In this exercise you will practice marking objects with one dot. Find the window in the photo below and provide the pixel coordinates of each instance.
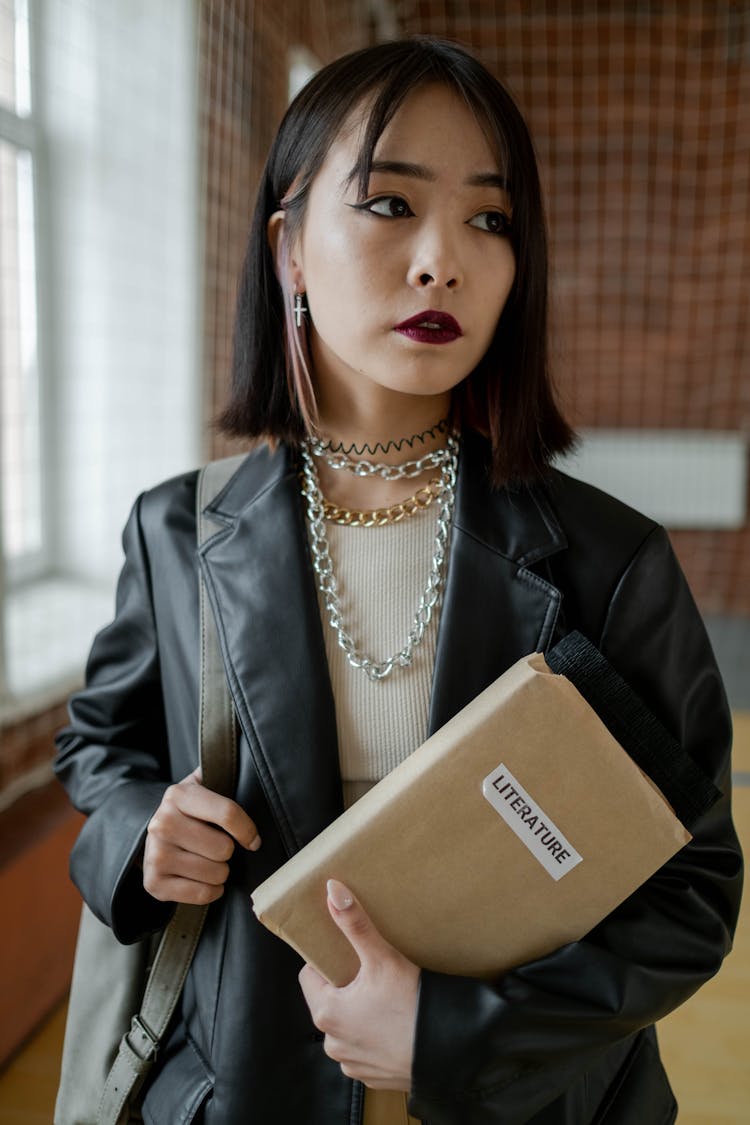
(20, 445)
(21, 531)
(301, 65)
(100, 295)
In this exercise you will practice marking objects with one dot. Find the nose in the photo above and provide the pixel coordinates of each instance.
(435, 263)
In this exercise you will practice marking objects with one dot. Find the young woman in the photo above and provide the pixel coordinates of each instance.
(394, 541)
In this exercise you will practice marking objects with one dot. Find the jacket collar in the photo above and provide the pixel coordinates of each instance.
(517, 523)
(261, 585)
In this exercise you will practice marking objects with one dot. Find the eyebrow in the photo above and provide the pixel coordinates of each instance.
(420, 172)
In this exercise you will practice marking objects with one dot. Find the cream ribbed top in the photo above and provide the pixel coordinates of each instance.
(381, 573)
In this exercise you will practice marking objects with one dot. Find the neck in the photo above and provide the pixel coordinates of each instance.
(384, 451)
(364, 414)
(407, 428)
(373, 491)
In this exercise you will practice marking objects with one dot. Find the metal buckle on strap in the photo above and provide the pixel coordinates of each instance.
(145, 1035)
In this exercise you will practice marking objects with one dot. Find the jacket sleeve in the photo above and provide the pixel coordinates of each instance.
(498, 1052)
(112, 758)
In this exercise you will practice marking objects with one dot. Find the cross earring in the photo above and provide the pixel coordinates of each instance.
(299, 309)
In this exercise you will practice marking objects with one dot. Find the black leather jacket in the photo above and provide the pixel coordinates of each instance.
(566, 1039)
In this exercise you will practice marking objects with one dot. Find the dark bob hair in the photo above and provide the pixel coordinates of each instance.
(509, 396)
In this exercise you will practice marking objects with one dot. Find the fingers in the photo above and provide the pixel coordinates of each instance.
(341, 897)
(172, 889)
(192, 799)
(313, 987)
(368, 1024)
(355, 923)
(177, 830)
(321, 999)
(172, 874)
(189, 841)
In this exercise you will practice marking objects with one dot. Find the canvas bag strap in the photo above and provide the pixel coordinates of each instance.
(217, 753)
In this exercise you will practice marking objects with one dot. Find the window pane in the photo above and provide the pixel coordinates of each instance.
(301, 65)
(19, 390)
(15, 92)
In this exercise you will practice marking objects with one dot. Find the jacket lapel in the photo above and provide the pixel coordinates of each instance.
(495, 610)
(261, 586)
(262, 590)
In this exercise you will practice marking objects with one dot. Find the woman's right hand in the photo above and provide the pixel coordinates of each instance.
(189, 841)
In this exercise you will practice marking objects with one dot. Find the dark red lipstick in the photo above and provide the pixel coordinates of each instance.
(431, 327)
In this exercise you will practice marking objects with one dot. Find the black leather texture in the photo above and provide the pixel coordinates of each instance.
(566, 1040)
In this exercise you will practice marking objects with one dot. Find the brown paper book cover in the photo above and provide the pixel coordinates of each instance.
(512, 830)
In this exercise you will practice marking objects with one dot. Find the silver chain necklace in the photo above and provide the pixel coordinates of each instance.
(323, 566)
(363, 468)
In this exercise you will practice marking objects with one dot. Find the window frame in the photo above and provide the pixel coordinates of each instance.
(24, 133)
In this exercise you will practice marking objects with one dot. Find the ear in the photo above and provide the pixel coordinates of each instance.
(280, 249)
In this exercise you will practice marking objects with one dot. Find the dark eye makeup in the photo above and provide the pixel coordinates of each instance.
(394, 207)
(391, 207)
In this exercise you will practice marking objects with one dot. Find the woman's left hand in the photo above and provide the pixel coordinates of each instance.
(369, 1024)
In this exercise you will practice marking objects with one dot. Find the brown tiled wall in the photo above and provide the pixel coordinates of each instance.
(637, 112)
(28, 743)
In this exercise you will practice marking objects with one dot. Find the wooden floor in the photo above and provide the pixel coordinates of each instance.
(28, 1084)
(705, 1044)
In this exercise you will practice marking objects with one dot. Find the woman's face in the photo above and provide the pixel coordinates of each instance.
(429, 241)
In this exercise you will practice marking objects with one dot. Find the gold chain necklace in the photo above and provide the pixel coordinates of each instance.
(379, 517)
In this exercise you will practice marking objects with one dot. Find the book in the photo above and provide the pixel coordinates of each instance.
(511, 831)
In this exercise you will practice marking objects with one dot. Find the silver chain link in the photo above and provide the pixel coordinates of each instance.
(406, 470)
(323, 566)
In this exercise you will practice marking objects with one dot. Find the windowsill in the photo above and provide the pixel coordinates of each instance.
(50, 625)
